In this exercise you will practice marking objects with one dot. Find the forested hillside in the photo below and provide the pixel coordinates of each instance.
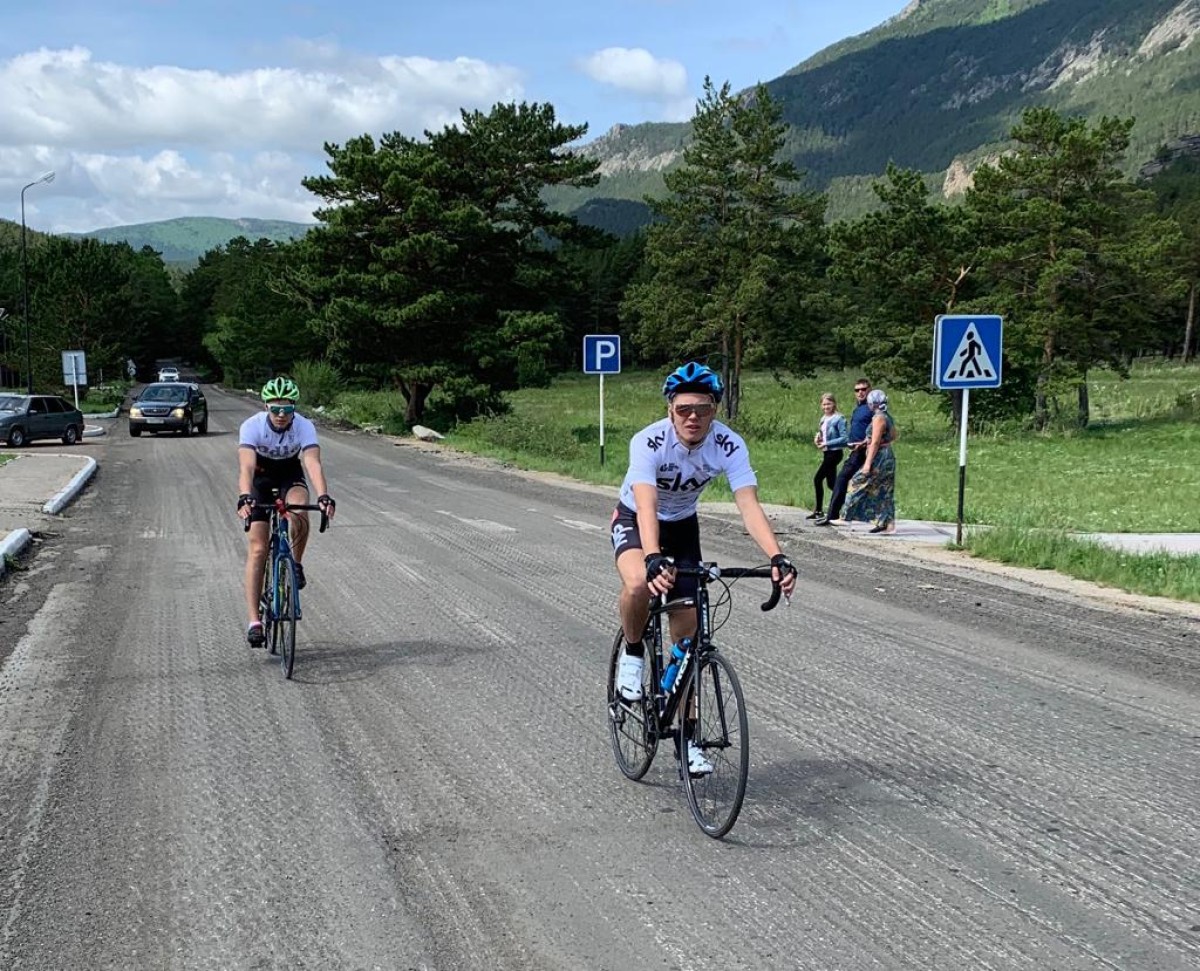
(938, 87)
(185, 240)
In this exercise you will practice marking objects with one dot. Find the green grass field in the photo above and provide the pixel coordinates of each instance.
(1136, 469)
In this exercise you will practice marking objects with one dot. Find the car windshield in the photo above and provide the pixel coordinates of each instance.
(12, 402)
(163, 392)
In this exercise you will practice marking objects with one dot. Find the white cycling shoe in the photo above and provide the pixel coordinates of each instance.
(698, 763)
(629, 677)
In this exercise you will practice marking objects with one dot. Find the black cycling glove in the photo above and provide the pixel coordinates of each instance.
(781, 561)
(245, 499)
(325, 500)
(656, 565)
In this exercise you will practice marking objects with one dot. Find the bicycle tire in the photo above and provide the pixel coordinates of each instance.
(285, 622)
(266, 611)
(723, 734)
(631, 723)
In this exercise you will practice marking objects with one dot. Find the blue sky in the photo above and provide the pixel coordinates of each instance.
(151, 109)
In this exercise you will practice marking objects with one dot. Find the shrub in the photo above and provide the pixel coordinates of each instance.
(319, 381)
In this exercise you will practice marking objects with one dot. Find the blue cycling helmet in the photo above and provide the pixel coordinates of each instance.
(693, 377)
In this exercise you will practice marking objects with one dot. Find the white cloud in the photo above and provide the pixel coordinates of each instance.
(133, 144)
(638, 71)
(64, 98)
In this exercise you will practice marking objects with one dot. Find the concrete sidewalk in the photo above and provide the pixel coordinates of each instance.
(35, 487)
(939, 534)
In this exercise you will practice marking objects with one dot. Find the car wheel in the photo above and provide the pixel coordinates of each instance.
(71, 435)
(186, 430)
(134, 431)
(203, 429)
(16, 437)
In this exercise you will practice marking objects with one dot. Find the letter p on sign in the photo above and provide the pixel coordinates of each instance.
(602, 354)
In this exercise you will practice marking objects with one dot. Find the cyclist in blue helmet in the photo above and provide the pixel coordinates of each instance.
(656, 524)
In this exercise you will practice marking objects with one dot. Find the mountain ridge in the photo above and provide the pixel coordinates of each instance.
(938, 86)
(184, 239)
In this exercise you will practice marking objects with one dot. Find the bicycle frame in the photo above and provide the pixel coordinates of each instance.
(279, 552)
(279, 594)
(667, 702)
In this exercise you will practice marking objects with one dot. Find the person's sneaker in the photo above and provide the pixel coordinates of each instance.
(698, 763)
(256, 635)
(300, 581)
(822, 522)
(815, 514)
(629, 677)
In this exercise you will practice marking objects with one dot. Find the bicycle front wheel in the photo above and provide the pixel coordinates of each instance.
(266, 611)
(716, 719)
(631, 724)
(283, 634)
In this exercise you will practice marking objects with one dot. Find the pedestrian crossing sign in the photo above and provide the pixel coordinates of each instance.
(967, 351)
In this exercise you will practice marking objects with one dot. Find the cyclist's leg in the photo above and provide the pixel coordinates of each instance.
(256, 558)
(297, 494)
(634, 601)
(681, 540)
(261, 490)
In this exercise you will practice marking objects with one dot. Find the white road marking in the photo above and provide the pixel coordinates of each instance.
(485, 524)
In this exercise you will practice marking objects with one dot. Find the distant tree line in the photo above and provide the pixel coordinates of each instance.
(437, 269)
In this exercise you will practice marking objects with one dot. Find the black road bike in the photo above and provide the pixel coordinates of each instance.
(706, 695)
(279, 601)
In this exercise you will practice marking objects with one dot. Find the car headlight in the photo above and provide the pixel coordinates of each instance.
(135, 412)
(178, 413)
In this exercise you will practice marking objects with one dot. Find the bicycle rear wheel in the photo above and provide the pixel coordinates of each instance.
(631, 723)
(722, 733)
(283, 634)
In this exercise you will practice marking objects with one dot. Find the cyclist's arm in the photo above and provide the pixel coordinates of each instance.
(759, 528)
(311, 457)
(646, 497)
(247, 458)
(755, 520)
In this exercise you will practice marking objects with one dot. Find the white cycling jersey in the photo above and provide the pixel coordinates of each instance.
(273, 445)
(657, 457)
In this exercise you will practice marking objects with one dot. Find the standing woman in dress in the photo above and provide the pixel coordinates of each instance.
(831, 438)
(873, 490)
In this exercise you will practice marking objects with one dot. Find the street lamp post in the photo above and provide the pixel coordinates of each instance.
(48, 177)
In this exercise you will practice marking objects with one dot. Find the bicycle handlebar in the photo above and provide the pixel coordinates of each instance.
(710, 571)
(290, 507)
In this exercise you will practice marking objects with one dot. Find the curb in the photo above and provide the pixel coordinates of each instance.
(72, 489)
(103, 414)
(12, 545)
(93, 431)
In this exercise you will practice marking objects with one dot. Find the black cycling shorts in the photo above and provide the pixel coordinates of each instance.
(273, 479)
(679, 539)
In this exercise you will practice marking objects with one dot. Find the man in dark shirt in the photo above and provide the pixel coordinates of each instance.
(860, 433)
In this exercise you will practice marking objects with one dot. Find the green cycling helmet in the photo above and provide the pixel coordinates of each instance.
(280, 389)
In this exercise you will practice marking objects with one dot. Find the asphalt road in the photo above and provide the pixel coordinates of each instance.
(947, 773)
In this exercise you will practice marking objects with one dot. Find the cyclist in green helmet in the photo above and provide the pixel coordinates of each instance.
(275, 449)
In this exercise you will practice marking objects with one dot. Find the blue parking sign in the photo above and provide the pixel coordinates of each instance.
(967, 351)
(602, 354)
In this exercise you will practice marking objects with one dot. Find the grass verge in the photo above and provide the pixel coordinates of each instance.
(1156, 574)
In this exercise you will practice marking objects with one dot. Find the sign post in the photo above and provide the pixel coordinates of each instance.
(602, 355)
(967, 353)
(74, 365)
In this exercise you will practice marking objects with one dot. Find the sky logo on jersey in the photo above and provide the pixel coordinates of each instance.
(677, 483)
(726, 443)
(277, 451)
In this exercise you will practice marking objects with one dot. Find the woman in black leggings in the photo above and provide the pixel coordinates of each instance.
(831, 438)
